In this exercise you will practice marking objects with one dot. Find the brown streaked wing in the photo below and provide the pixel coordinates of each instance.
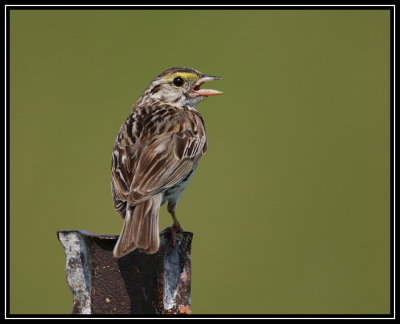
(163, 163)
(121, 171)
(123, 162)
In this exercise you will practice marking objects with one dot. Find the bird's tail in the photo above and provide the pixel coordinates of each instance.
(140, 230)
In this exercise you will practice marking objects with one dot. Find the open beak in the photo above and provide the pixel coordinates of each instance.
(205, 92)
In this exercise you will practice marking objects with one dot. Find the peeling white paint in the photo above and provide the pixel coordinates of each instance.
(171, 279)
(77, 270)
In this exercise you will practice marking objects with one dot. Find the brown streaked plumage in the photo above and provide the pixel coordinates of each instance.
(155, 154)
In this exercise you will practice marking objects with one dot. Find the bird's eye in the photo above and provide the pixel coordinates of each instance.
(178, 81)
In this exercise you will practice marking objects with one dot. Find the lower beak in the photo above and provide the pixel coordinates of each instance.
(206, 92)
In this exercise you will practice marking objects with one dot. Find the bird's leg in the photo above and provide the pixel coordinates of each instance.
(175, 228)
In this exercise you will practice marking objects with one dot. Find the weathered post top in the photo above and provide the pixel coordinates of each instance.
(137, 283)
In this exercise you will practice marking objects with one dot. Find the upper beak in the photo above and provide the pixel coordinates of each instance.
(206, 92)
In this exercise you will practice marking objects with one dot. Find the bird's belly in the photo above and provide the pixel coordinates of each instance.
(175, 191)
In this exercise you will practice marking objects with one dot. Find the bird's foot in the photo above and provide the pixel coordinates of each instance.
(172, 230)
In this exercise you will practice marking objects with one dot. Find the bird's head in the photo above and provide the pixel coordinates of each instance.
(181, 87)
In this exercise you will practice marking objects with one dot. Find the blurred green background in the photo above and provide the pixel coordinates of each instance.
(290, 207)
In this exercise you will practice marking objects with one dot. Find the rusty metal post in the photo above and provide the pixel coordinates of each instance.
(137, 283)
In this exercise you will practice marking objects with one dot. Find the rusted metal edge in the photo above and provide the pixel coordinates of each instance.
(88, 234)
(104, 236)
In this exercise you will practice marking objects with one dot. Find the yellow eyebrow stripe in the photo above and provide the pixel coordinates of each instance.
(183, 75)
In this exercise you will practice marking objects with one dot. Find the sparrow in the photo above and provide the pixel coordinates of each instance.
(155, 155)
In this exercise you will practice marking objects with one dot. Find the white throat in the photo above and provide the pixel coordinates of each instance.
(182, 102)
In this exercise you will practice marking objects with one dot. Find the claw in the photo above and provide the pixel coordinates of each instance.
(172, 230)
